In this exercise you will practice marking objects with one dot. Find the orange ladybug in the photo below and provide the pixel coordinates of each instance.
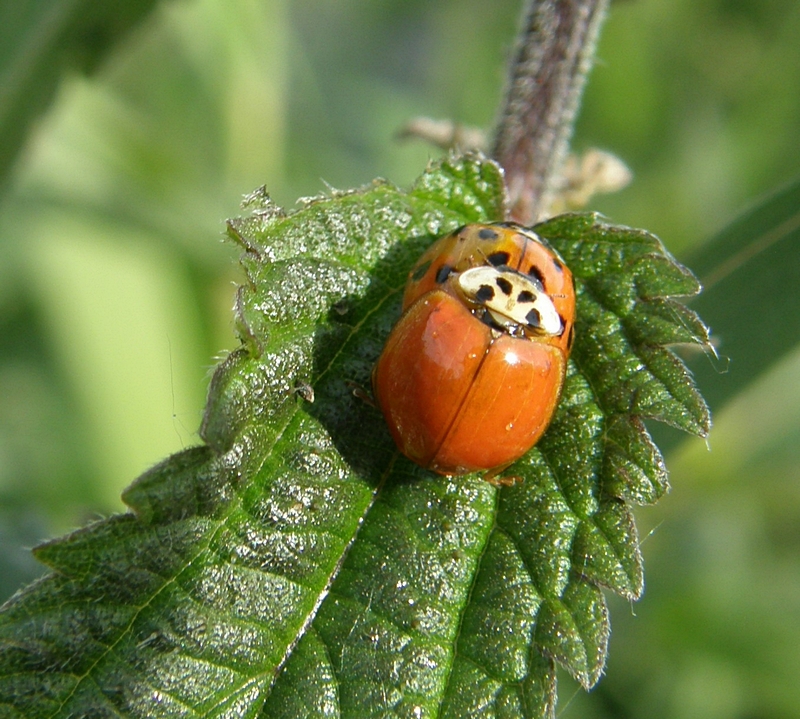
(472, 372)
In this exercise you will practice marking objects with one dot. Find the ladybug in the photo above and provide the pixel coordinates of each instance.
(472, 372)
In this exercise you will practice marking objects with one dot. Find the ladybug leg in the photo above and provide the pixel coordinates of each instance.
(505, 481)
(360, 393)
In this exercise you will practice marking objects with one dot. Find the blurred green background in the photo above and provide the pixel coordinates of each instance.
(129, 132)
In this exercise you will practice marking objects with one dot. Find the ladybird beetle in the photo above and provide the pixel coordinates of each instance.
(472, 371)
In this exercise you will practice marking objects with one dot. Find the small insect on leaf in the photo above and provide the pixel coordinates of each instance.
(471, 374)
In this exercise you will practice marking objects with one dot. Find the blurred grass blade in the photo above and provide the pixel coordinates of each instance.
(750, 273)
(39, 39)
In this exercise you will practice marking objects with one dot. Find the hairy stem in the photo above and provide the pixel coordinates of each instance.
(553, 55)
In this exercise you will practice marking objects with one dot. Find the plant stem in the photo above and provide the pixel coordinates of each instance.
(553, 55)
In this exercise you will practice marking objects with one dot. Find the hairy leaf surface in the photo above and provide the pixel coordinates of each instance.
(296, 565)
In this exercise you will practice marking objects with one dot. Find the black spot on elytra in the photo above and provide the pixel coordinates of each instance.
(526, 296)
(537, 275)
(533, 318)
(570, 337)
(563, 323)
(485, 293)
(504, 285)
(419, 272)
(559, 264)
(498, 259)
(443, 273)
(487, 233)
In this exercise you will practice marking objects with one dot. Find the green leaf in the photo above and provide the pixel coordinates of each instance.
(39, 41)
(750, 272)
(296, 565)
